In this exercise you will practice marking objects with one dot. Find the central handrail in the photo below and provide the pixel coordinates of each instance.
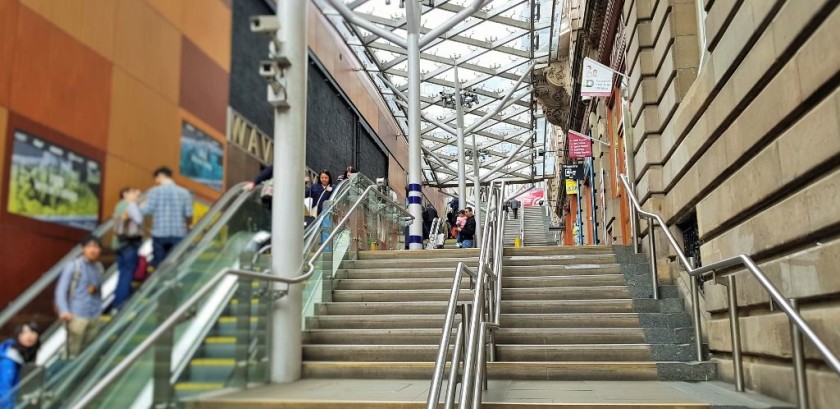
(798, 323)
(483, 314)
(184, 308)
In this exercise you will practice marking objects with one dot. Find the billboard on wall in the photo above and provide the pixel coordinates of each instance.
(51, 183)
(580, 146)
(532, 197)
(202, 157)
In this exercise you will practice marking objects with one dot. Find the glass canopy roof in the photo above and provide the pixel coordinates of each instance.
(492, 49)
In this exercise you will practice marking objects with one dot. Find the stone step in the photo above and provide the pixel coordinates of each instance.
(559, 250)
(622, 320)
(508, 307)
(519, 260)
(546, 371)
(509, 271)
(550, 293)
(403, 283)
(517, 353)
(431, 336)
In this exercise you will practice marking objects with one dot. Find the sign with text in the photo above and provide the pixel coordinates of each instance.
(579, 146)
(53, 184)
(571, 187)
(574, 172)
(597, 79)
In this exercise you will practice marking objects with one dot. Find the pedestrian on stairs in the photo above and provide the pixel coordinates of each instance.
(515, 204)
(78, 296)
(459, 224)
(468, 231)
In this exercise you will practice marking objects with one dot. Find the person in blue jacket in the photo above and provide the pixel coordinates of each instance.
(14, 353)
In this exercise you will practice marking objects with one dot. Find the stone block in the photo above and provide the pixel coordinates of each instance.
(733, 42)
(647, 155)
(649, 92)
(778, 164)
(650, 182)
(776, 380)
(803, 212)
(684, 18)
(793, 18)
(716, 17)
(819, 57)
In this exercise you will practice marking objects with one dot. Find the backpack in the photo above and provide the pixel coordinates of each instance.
(125, 228)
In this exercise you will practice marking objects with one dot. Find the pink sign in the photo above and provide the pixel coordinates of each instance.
(579, 146)
(532, 197)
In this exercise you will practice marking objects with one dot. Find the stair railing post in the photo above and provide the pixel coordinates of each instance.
(653, 274)
(457, 356)
(634, 227)
(695, 310)
(735, 329)
(799, 369)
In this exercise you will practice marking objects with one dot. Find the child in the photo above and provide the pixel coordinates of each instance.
(459, 224)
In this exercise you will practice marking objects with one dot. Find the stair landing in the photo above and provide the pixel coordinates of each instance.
(411, 394)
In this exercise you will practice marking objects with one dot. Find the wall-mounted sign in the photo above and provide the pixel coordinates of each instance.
(571, 187)
(249, 138)
(579, 146)
(202, 157)
(574, 172)
(597, 79)
(53, 184)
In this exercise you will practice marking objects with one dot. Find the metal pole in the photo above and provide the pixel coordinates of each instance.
(415, 195)
(457, 357)
(289, 155)
(695, 312)
(476, 193)
(799, 369)
(462, 165)
(735, 328)
(654, 277)
(634, 230)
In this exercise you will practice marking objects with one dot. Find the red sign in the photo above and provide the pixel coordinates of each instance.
(532, 198)
(579, 146)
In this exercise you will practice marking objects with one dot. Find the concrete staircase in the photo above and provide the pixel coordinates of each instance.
(568, 314)
(536, 228)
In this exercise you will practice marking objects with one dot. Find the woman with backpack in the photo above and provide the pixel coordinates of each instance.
(21, 349)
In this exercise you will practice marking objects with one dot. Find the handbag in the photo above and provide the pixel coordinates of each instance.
(267, 190)
(125, 228)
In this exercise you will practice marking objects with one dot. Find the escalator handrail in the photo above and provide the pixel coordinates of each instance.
(52, 274)
(265, 275)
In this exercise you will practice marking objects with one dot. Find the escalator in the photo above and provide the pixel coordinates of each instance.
(222, 342)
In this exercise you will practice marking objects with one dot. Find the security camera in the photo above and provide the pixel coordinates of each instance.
(265, 24)
(269, 69)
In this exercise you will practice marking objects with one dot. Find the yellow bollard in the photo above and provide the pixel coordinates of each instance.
(517, 242)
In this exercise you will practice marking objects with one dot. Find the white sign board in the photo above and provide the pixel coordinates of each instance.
(597, 79)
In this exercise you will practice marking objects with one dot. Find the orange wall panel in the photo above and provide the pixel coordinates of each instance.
(89, 21)
(204, 86)
(208, 24)
(8, 17)
(145, 126)
(59, 82)
(172, 10)
(4, 116)
(122, 174)
(148, 47)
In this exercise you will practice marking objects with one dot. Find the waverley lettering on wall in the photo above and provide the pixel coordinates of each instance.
(247, 136)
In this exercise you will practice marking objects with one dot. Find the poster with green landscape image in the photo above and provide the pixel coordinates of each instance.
(53, 184)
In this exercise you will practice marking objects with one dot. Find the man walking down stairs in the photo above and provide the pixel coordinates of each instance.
(578, 329)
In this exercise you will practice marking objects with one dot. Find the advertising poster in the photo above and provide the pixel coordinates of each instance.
(202, 157)
(579, 146)
(597, 79)
(532, 198)
(574, 172)
(50, 183)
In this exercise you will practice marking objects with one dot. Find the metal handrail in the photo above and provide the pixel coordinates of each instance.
(789, 307)
(173, 319)
(482, 313)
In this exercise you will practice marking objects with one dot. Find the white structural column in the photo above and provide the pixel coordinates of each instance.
(289, 153)
(415, 182)
(477, 193)
(462, 165)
